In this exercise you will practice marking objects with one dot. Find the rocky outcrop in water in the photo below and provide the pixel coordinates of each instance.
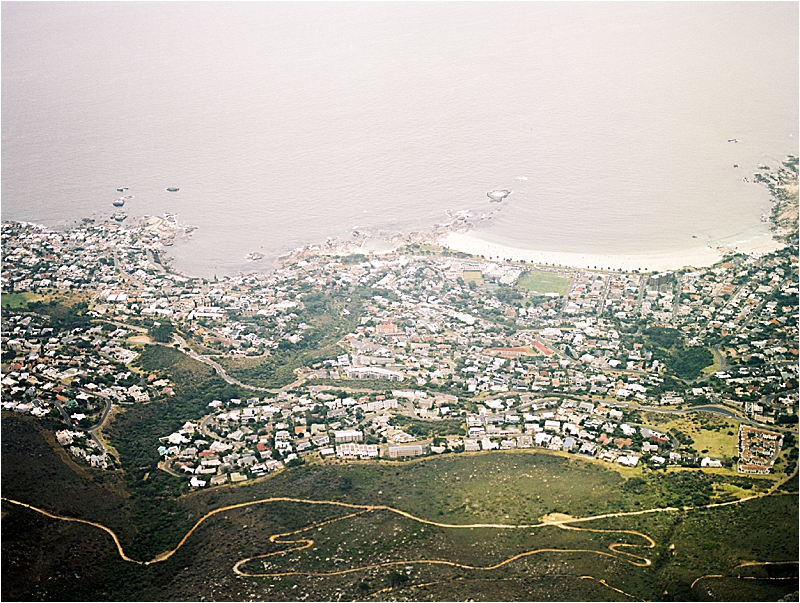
(498, 195)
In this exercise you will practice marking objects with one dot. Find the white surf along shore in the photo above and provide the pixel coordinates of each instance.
(697, 257)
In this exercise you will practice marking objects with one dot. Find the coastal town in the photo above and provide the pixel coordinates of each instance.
(380, 302)
(415, 351)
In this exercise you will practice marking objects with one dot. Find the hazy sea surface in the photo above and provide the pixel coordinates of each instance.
(286, 123)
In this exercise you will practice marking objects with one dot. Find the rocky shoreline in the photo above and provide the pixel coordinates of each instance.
(783, 187)
(334, 246)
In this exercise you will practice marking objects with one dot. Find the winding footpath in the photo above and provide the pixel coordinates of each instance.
(615, 550)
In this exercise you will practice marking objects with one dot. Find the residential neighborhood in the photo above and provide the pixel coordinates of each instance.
(438, 352)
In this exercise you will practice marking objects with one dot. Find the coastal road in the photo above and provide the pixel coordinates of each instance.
(158, 266)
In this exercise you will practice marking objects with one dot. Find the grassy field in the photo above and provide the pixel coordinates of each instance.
(713, 368)
(19, 300)
(54, 301)
(712, 435)
(473, 276)
(542, 281)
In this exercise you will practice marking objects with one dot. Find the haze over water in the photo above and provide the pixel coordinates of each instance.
(284, 124)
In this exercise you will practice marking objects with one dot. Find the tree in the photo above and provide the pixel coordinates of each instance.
(363, 587)
(161, 332)
(397, 579)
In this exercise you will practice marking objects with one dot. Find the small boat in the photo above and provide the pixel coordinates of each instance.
(173, 189)
(734, 140)
(254, 257)
(119, 216)
(122, 189)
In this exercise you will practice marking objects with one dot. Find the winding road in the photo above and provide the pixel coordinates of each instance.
(184, 347)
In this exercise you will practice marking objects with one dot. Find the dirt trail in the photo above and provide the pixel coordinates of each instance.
(556, 520)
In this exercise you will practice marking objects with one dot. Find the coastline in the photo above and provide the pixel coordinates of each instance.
(700, 256)
(460, 234)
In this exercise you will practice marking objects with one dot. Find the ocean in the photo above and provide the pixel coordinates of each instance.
(287, 123)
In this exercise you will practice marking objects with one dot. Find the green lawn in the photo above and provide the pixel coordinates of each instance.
(542, 281)
(19, 300)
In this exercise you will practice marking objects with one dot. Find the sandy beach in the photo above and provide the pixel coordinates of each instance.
(657, 261)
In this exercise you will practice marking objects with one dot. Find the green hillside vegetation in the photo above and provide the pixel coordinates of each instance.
(150, 511)
(512, 488)
(687, 362)
(135, 434)
(327, 325)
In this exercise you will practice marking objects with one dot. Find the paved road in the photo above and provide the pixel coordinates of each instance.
(184, 347)
(89, 430)
(717, 410)
(643, 280)
(204, 427)
(165, 466)
(566, 295)
(123, 325)
(601, 305)
(723, 411)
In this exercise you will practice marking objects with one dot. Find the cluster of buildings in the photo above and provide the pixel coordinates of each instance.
(758, 449)
(75, 373)
(246, 439)
(442, 324)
